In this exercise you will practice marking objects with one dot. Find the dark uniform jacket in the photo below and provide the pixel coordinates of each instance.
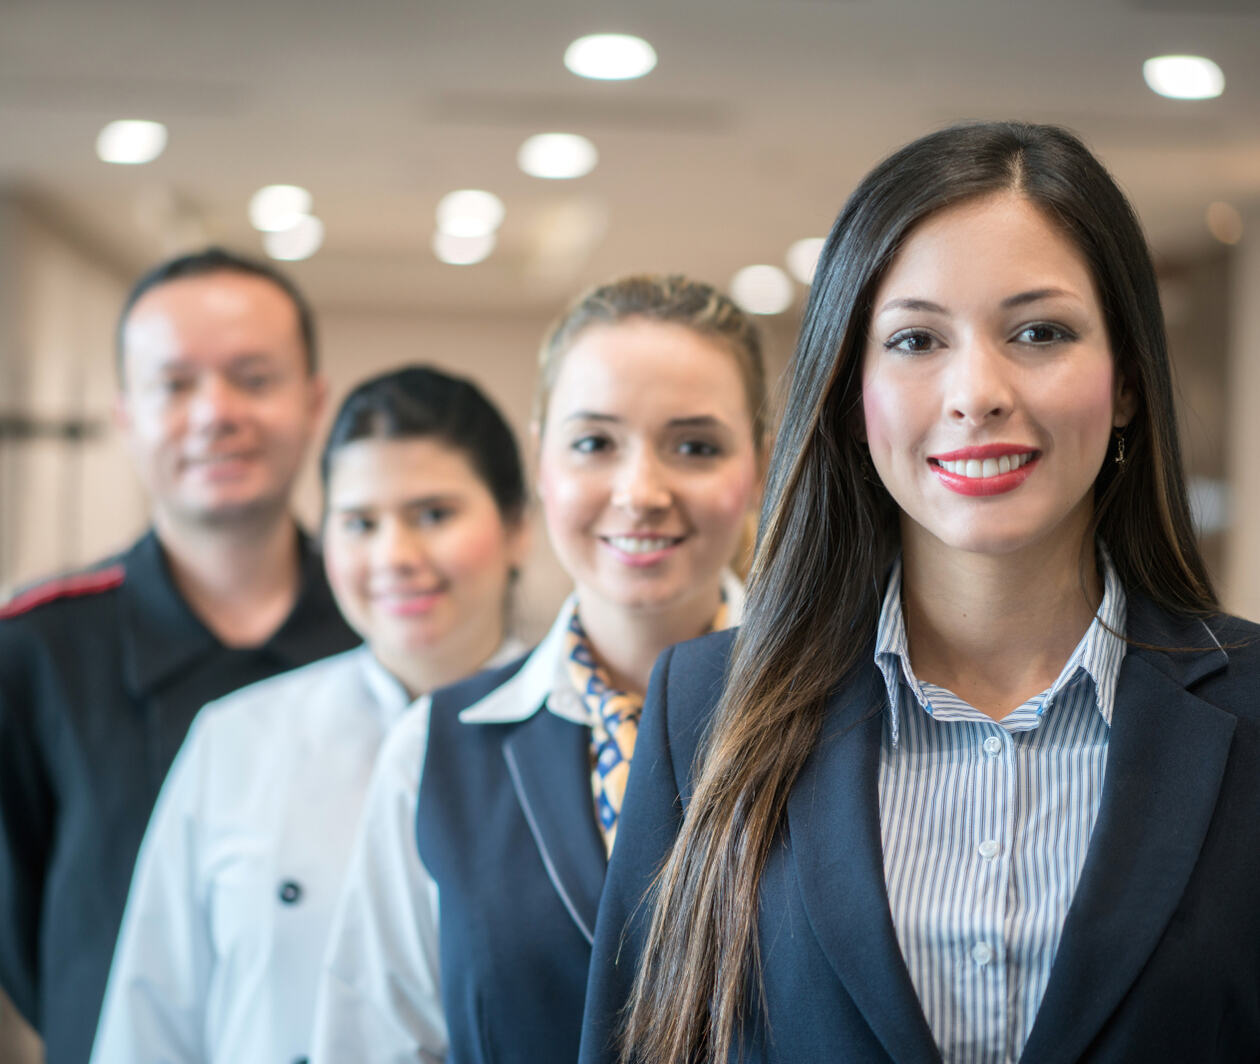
(1160, 955)
(101, 674)
(506, 828)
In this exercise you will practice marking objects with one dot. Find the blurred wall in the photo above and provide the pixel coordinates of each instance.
(1241, 585)
(66, 487)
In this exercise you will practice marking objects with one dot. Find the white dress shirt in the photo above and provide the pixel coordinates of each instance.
(380, 995)
(237, 879)
(985, 825)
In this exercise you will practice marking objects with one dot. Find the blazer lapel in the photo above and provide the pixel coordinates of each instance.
(833, 818)
(548, 760)
(1166, 760)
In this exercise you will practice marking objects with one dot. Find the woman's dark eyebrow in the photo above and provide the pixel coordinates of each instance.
(1034, 296)
(913, 304)
(590, 415)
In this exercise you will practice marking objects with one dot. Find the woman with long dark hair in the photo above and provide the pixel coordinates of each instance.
(464, 932)
(978, 779)
(234, 888)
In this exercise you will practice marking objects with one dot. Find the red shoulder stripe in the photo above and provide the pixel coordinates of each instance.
(64, 587)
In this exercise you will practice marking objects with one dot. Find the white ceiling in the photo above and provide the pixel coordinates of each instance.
(751, 131)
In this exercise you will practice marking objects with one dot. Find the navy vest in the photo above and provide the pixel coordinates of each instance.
(506, 827)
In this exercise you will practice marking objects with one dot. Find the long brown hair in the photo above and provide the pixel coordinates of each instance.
(829, 530)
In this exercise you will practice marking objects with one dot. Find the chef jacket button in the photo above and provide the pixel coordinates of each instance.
(290, 893)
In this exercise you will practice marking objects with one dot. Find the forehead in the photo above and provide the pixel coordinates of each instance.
(1003, 243)
(211, 318)
(650, 370)
(375, 472)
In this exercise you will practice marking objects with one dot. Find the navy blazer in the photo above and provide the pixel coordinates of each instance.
(1160, 954)
(506, 827)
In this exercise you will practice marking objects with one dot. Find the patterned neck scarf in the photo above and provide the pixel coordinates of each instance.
(614, 717)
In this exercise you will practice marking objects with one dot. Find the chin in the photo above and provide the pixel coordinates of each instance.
(232, 509)
(1004, 539)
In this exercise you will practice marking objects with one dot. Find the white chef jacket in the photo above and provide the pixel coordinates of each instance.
(380, 994)
(237, 878)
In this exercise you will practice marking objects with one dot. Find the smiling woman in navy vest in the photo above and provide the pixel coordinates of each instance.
(649, 432)
(978, 780)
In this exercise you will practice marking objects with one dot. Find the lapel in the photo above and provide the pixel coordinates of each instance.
(833, 820)
(1165, 762)
(548, 760)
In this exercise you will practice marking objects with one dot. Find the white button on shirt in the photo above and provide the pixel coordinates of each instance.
(984, 836)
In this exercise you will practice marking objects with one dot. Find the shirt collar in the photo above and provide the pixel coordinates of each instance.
(162, 636)
(389, 693)
(544, 679)
(1099, 654)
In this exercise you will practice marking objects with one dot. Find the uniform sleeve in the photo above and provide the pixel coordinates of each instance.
(380, 993)
(650, 818)
(155, 999)
(27, 808)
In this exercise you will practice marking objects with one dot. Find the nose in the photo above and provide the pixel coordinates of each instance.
(215, 402)
(641, 485)
(399, 546)
(978, 389)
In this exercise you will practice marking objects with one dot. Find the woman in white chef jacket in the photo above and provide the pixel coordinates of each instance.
(649, 426)
(243, 860)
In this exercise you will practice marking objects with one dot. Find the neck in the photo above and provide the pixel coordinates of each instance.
(439, 666)
(996, 630)
(627, 642)
(240, 580)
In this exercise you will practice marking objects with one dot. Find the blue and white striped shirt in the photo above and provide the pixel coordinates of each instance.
(985, 826)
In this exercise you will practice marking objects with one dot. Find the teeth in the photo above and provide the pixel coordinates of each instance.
(989, 467)
(641, 544)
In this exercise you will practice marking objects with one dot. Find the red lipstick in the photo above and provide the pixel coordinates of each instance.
(999, 483)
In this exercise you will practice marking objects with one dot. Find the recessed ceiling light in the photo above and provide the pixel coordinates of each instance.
(462, 250)
(299, 241)
(1224, 222)
(610, 57)
(802, 258)
(131, 141)
(557, 156)
(1184, 77)
(762, 289)
(469, 212)
(274, 208)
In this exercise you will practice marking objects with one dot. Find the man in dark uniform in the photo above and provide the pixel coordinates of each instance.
(101, 672)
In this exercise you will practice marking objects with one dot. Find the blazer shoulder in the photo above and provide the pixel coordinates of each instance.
(1237, 683)
(1237, 636)
(691, 677)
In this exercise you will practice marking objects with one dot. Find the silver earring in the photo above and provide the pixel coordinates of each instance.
(1119, 447)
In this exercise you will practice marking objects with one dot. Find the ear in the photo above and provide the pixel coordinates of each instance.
(1125, 403)
(318, 397)
(520, 541)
